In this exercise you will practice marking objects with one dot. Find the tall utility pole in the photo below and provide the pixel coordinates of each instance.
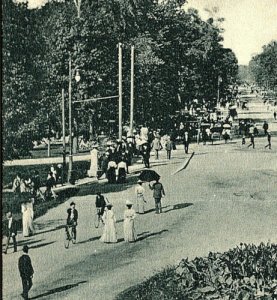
(120, 91)
(70, 165)
(63, 125)
(132, 89)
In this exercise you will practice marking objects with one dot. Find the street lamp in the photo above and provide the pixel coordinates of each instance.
(77, 78)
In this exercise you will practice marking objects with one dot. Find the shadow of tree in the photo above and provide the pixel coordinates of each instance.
(58, 290)
(104, 187)
(50, 230)
(179, 206)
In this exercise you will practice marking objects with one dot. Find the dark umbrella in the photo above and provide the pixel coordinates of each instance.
(149, 175)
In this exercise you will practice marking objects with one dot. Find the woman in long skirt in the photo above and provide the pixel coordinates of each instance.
(27, 218)
(139, 190)
(109, 233)
(128, 225)
(25, 221)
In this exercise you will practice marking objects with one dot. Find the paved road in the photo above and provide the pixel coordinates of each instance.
(226, 195)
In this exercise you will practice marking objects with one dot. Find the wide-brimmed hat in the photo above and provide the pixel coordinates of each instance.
(128, 202)
(109, 204)
(72, 203)
(140, 181)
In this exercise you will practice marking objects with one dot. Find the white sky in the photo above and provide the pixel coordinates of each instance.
(249, 24)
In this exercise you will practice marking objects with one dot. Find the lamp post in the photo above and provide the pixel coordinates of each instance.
(77, 78)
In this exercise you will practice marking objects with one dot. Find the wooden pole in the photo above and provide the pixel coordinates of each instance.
(70, 165)
(132, 89)
(120, 91)
(64, 146)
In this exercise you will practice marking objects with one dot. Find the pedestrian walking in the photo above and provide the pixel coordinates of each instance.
(111, 175)
(10, 231)
(26, 272)
(169, 148)
(27, 217)
(265, 127)
(72, 218)
(158, 193)
(100, 204)
(268, 140)
(275, 114)
(139, 191)
(156, 146)
(109, 233)
(243, 140)
(129, 224)
(145, 152)
(252, 141)
(122, 171)
(50, 183)
(186, 141)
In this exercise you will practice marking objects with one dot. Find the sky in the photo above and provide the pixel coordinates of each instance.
(249, 24)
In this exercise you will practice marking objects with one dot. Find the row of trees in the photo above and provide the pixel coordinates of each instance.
(263, 67)
(178, 57)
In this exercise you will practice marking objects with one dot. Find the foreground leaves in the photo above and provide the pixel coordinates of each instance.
(246, 272)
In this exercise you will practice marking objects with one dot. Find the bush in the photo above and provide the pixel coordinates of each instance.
(247, 272)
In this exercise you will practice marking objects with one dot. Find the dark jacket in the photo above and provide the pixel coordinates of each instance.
(158, 190)
(100, 201)
(25, 266)
(8, 231)
(75, 215)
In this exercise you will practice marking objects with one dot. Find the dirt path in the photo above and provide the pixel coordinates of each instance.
(225, 196)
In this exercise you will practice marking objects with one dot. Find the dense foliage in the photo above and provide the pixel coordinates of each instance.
(178, 57)
(246, 272)
(263, 66)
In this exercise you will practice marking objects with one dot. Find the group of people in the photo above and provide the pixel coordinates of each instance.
(106, 215)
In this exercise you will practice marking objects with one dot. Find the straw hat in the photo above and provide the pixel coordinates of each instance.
(109, 204)
(128, 202)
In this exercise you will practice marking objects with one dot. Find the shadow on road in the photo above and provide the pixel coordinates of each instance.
(145, 236)
(179, 206)
(90, 240)
(50, 230)
(58, 290)
(41, 245)
(105, 188)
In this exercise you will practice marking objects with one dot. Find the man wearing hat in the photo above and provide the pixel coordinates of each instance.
(26, 272)
(139, 191)
(10, 230)
(72, 218)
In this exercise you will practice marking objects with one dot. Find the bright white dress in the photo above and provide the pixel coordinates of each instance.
(129, 226)
(109, 234)
(25, 213)
(139, 190)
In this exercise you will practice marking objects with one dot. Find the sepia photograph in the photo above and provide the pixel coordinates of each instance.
(139, 149)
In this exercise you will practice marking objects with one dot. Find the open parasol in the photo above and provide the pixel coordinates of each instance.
(149, 175)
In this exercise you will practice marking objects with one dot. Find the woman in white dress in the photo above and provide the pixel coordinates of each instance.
(139, 190)
(109, 233)
(128, 225)
(24, 210)
(27, 218)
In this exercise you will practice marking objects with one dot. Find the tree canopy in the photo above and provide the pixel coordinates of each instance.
(178, 57)
(263, 66)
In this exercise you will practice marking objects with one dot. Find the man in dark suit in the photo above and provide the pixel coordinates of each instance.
(72, 218)
(26, 271)
(186, 140)
(10, 230)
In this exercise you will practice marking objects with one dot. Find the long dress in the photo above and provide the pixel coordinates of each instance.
(30, 209)
(25, 219)
(129, 226)
(139, 190)
(109, 233)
